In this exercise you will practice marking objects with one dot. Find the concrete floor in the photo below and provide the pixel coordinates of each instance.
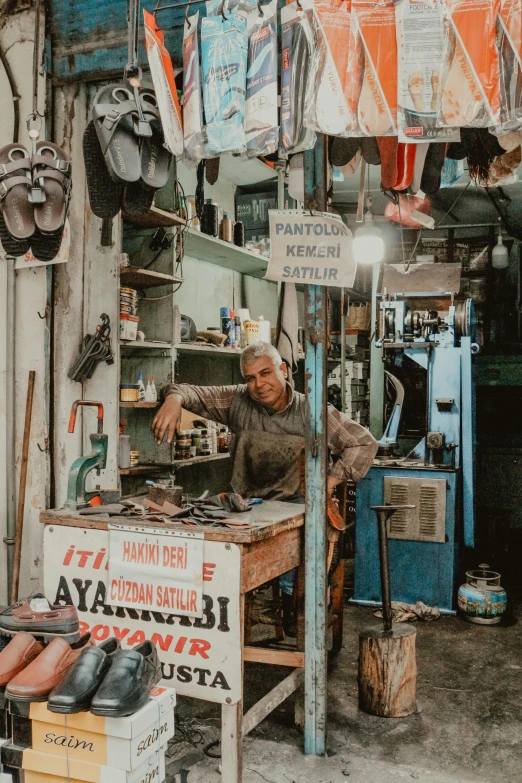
(468, 726)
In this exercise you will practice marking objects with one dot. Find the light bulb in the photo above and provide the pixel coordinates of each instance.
(500, 255)
(368, 244)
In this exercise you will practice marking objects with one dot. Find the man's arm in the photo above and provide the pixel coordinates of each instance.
(211, 402)
(355, 446)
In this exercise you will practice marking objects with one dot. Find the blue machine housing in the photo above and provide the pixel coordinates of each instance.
(419, 570)
(425, 543)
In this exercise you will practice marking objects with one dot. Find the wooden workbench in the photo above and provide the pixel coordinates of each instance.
(268, 547)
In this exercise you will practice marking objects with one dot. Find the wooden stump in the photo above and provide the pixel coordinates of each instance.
(387, 671)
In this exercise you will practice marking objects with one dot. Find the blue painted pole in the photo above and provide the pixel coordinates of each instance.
(316, 322)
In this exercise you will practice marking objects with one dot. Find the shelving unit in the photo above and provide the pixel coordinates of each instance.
(207, 350)
(143, 470)
(185, 463)
(147, 344)
(145, 278)
(139, 404)
(155, 218)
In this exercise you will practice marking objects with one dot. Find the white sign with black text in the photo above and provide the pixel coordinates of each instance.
(160, 570)
(316, 249)
(200, 657)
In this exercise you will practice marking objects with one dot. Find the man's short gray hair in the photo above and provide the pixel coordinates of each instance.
(255, 351)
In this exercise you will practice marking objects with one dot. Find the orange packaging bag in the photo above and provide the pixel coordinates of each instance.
(377, 105)
(164, 85)
(327, 110)
(510, 54)
(471, 90)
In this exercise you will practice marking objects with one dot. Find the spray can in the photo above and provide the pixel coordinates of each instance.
(237, 328)
(228, 326)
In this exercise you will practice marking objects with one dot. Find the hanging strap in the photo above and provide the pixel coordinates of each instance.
(132, 69)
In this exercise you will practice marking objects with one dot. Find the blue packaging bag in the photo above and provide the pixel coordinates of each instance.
(224, 59)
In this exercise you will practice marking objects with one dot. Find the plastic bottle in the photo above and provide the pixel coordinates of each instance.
(237, 329)
(148, 392)
(141, 393)
(154, 391)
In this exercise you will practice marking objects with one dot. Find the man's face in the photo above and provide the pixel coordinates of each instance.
(266, 383)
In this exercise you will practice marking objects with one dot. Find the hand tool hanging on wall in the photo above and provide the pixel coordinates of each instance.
(95, 348)
(23, 484)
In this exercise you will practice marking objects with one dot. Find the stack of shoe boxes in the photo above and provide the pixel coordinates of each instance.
(47, 746)
(5, 775)
(357, 389)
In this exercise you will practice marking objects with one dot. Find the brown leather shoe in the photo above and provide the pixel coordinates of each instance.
(36, 681)
(18, 654)
(41, 618)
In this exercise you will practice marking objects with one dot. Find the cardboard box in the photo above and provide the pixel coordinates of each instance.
(45, 768)
(128, 326)
(123, 743)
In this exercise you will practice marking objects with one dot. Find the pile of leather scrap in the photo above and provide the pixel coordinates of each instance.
(205, 510)
(410, 613)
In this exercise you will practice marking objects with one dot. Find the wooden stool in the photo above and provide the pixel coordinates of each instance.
(387, 665)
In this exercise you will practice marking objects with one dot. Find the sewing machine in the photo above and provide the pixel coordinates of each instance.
(77, 496)
(426, 335)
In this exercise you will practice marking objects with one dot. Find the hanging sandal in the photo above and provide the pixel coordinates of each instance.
(45, 247)
(18, 224)
(52, 175)
(155, 157)
(104, 195)
(119, 128)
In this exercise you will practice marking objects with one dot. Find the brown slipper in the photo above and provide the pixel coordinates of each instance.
(52, 174)
(15, 185)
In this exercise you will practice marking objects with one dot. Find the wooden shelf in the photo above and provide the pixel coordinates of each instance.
(146, 278)
(224, 254)
(146, 344)
(155, 218)
(207, 350)
(143, 470)
(185, 463)
(139, 404)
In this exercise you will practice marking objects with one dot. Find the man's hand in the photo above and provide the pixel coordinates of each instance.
(331, 484)
(167, 419)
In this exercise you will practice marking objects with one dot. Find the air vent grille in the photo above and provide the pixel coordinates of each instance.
(427, 520)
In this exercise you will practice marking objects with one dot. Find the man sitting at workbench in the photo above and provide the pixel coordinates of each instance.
(267, 419)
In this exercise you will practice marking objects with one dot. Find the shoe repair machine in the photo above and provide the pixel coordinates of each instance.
(422, 320)
(77, 495)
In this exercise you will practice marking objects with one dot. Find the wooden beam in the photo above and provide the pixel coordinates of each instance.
(268, 703)
(270, 558)
(232, 742)
(274, 657)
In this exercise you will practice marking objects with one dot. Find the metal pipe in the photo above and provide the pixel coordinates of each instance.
(382, 516)
(316, 323)
(10, 412)
(345, 303)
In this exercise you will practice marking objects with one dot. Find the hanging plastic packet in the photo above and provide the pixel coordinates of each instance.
(297, 60)
(420, 41)
(164, 85)
(224, 58)
(510, 55)
(261, 117)
(327, 109)
(377, 107)
(471, 85)
(194, 137)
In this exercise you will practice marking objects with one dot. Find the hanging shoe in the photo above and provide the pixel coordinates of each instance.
(36, 681)
(74, 693)
(104, 195)
(40, 618)
(18, 224)
(127, 685)
(115, 117)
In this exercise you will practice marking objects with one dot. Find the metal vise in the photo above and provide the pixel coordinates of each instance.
(77, 496)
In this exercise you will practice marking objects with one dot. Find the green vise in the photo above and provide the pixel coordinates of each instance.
(77, 496)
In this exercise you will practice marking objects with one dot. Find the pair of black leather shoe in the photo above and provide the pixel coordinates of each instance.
(108, 681)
